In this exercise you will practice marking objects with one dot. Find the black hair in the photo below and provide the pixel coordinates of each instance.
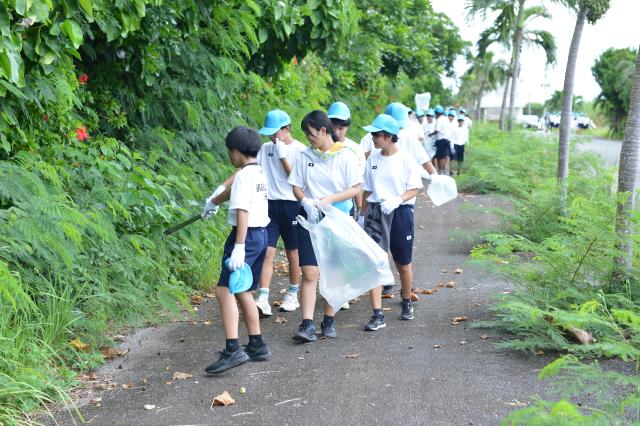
(318, 119)
(245, 140)
(394, 138)
(341, 123)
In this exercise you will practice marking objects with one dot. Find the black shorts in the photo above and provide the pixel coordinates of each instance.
(459, 155)
(442, 148)
(283, 223)
(255, 248)
(306, 255)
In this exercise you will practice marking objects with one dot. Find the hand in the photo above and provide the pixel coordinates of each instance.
(211, 208)
(425, 175)
(311, 207)
(390, 205)
(237, 257)
(280, 148)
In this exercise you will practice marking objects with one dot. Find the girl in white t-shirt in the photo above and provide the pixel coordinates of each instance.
(325, 172)
(391, 183)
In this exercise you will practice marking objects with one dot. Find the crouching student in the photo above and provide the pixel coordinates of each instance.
(391, 182)
(246, 244)
(326, 172)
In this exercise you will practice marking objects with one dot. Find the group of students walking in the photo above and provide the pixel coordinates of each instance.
(375, 182)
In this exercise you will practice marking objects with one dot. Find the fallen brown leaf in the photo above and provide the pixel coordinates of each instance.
(111, 353)
(444, 271)
(192, 322)
(352, 356)
(386, 309)
(224, 399)
(437, 346)
(149, 406)
(79, 345)
(484, 337)
(427, 291)
(276, 303)
(414, 297)
(87, 377)
(196, 299)
(458, 319)
(280, 319)
(581, 336)
(127, 386)
(452, 284)
(208, 322)
(457, 271)
(181, 376)
(539, 352)
(96, 402)
(388, 296)
(145, 382)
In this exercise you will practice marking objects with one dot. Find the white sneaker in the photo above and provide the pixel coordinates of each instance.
(290, 302)
(345, 306)
(264, 308)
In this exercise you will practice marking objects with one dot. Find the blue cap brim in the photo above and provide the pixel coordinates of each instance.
(372, 129)
(269, 131)
(339, 117)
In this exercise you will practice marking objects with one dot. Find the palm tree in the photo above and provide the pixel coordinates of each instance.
(487, 76)
(628, 174)
(512, 29)
(591, 11)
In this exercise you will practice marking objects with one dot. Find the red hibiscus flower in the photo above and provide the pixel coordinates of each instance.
(83, 78)
(81, 134)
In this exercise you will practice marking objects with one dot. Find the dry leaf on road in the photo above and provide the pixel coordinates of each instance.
(280, 319)
(352, 356)
(427, 291)
(457, 271)
(196, 299)
(388, 296)
(79, 345)
(414, 297)
(181, 376)
(484, 337)
(452, 284)
(149, 406)
(223, 399)
(276, 303)
(458, 319)
(111, 353)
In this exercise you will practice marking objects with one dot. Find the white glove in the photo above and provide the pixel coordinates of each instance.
(361, 221)
(210, 208)
(425, 175)
(390, 205)
(281, 149)
(311, 207)
(237, 257)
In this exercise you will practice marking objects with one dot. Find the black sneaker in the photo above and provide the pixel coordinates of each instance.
(306, 334)
(328, 328)
(260, 353)
(227, 360)
(407, 311)
(387, 289)
(375, 323)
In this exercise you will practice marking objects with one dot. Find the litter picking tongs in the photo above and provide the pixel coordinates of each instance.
(183, 224)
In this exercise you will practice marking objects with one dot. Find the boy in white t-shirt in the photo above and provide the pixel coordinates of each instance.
(460, 141)
(246, 244)
(467, 120)
(277, 158)
(327, 172)
(441, 134)
(391, 183)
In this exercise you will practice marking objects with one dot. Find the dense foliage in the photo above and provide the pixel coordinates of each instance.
(112, 119)
(562, 266)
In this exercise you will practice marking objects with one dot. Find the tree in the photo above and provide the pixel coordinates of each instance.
(554, 103)
(512, 28)
(615, 84)
(484, 75)
(591, 11)
(628, 173)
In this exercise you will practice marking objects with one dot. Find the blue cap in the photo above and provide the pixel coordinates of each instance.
(419, 112)
(384, 122)
(399, 112)
(439, 109)
(430, 112)
(241, 279)
(461, 117)
(339, 110)
(463, 111)
(452, 112)
(275, 120)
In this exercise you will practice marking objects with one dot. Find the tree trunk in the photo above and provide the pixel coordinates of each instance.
(517, 46)
(567, 101)
(503, 107)
(628, 173)
(479, 101)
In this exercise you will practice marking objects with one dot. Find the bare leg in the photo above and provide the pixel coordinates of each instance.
(249, 313)
(229, 310)
(376, 298)
(267, 267)
(310, 276)
(294, 266)
(406, 277)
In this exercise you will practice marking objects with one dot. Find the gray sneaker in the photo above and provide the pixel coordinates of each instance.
(328, 328)
(227, 360)
(407, 311)
(375, 323)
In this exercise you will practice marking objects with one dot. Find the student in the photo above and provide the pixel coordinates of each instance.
(453, 126)
(326, 172)
(428, 127)
(246, 244)
(460, 140)
(467, 120)
(441, 134)
(391, 183)
(414, 123)
(276, 158)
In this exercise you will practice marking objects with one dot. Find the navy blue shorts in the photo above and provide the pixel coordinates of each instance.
(401, 238)
(459, 153)
(255, 247)
(443, 148)
(283, 223)
(305, 249)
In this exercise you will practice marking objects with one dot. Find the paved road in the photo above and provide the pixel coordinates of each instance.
(608, 149)
(425, 371)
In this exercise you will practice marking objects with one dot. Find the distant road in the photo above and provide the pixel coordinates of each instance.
(608, 149)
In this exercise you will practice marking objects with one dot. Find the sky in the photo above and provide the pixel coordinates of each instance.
(619, 28)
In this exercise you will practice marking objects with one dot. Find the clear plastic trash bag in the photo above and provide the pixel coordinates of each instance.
(350, 262)
(442, 189)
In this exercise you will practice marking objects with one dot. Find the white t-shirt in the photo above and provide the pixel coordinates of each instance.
(366, 143)
(249, 192)
(468, 122)
(390, 176)
(357, 149)
(462, 135)
(278, 187)
(417, 128)
(319, 177)
(408, 142)
(442, 126)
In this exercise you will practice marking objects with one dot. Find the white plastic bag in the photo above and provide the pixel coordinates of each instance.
(350, 262)
(442, 189)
